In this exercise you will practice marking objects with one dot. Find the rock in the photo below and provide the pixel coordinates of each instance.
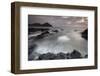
(46, 25)
(38, 27)
(85, 34)
(68, 56)
(75, 54)
(86, 56)
(61, 56)
(31, 48)
(55, 31)
(33, 56)
(48, 56)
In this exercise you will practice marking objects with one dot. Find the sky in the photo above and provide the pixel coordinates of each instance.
(68, 22)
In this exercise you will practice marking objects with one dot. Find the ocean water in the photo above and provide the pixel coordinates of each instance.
(64, 42)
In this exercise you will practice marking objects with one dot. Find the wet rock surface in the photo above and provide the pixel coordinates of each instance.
(50, 56)
(60, 56)
(86, 56)
(75, 54)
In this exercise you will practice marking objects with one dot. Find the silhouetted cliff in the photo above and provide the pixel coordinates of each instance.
(85, 34)
(38, 27)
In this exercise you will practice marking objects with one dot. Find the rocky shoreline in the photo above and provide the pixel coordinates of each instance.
(50, 56)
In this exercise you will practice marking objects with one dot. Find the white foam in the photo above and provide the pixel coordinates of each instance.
(63, 38)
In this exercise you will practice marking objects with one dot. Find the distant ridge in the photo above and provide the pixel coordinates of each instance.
(40, 25)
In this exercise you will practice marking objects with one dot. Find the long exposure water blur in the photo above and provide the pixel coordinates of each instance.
(64, 40)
